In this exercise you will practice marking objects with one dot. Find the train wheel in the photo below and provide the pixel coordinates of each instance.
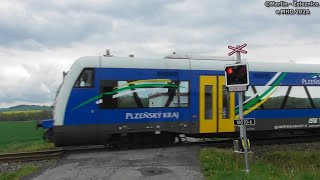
(167, 139)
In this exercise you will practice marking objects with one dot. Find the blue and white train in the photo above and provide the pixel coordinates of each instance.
(104, 99)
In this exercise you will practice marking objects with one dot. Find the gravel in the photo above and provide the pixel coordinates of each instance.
(259, 151)
(14, 166)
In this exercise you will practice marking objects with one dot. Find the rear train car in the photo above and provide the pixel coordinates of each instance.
(103, 99)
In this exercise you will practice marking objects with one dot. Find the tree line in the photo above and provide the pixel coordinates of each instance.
(25, 116)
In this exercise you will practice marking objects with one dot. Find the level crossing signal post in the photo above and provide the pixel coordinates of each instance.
(237, 80)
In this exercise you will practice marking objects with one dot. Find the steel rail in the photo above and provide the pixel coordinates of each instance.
(29, 156)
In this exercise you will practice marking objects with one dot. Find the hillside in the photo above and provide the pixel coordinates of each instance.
(24, 108)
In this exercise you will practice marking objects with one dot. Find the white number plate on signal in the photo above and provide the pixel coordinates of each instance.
(247, 121)
(237, 88)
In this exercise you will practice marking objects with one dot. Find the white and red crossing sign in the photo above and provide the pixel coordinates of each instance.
(237, 49)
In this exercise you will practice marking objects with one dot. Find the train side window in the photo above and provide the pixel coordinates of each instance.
(85, 80)
(107, 88)
(208, 102)
(314, 95)
(144, 93)
(226, 103)
(252, 92)
(284, 97)
(277, 99)
(298, 99)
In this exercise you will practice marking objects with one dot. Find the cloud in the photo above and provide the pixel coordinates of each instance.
(29, 83)
(40, 39)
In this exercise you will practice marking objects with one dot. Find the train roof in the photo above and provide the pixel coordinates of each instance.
(188, 63)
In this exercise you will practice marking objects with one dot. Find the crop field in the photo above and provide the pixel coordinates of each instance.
(26, 112)
(21, 136)
(26, 115)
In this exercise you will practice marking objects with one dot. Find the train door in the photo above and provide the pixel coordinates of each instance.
(226, 107)
(80, 117)
(82, 101)
(216, 105)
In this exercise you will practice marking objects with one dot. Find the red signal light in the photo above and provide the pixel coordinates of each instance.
(229, 70)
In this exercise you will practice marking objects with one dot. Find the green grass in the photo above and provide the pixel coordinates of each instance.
(19, 173)
(29, 146)
(21, 136)
(19, 131)
(222, 164)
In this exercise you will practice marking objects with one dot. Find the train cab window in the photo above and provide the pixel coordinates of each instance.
(85, 80)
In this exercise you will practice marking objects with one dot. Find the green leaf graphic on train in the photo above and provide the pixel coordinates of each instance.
(257, 99)
(315, 76)
(131, 87)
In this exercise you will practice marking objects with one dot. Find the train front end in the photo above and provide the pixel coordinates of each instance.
(62, 129)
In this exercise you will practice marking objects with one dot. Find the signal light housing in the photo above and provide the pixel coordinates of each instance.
(237, 75)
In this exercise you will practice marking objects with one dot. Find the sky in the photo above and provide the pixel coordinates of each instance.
(41, 39)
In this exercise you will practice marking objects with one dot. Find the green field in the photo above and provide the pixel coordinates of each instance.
(19, 132)
(21, 136)
(27, 112)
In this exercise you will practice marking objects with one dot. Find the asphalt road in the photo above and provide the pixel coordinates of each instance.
(153, 163)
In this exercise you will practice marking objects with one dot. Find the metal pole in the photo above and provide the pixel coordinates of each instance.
(240, 99)
(243, 133)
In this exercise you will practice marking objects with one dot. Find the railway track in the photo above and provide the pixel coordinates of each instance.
(227, 143)
(48, 154)
(286, 140)
(28, 156)
(262, 141)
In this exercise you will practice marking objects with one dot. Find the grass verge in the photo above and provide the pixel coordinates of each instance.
(19, 173)
(28, 146)
(222, 164)
(21, 136)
